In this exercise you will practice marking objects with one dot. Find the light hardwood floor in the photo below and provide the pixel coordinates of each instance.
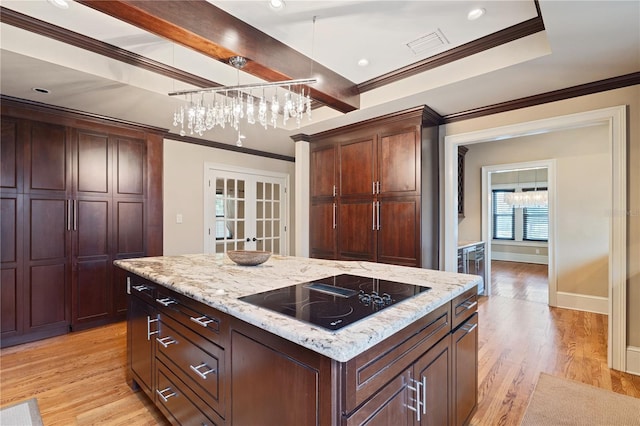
(80, 378)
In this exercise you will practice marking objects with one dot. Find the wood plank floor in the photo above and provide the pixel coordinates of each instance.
(80, 378)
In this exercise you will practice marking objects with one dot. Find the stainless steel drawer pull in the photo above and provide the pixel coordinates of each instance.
(166, 341)
(166, 301)
(469, 305)
(140, 287)
(469, 328)
(202, 374)
(149, 332)
(203, 320)
(165, 394)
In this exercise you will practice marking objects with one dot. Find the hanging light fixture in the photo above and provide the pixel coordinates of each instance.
(523, 199)
(260, 103)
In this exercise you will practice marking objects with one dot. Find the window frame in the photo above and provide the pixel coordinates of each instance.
(494, 216)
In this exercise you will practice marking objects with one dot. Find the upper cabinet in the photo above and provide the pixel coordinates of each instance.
(366, 186)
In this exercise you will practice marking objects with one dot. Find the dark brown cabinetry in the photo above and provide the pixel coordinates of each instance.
(176, 353)
(218, 369)
(75, 197)
(367, 183)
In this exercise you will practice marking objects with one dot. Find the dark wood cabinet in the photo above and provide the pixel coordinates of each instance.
(142, 329)
(206, 366)
(176, 353)
(465, 364)
(74, 192)
(369, 177)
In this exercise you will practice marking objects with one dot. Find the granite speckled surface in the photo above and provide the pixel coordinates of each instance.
(218, 282)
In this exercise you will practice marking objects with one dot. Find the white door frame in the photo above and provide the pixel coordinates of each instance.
(487, 231)
(616, 119)
(209, 204)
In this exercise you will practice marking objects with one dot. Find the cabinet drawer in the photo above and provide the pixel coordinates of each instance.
(464, 306)
(199, 362)
(142, 288)
(201, 318)
(178, 403)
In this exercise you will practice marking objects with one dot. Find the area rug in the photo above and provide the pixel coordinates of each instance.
(25, 413)
(557, 401)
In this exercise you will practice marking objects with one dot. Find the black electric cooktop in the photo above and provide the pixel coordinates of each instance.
(335, 302)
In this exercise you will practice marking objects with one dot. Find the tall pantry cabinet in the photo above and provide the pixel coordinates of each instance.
(76, 196)
(374, 190)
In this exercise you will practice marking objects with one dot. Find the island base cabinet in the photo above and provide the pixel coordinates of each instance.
(142, 325)
(270, 387)
(431, 381)
(419, 396)
(465, 377)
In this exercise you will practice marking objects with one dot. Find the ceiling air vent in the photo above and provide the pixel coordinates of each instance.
(428, 43)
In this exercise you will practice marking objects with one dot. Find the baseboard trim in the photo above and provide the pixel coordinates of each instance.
(519, 257)
(633, 360)
(582, 302)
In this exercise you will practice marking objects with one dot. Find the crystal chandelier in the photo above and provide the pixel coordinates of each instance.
(524, 199)
(259, 103)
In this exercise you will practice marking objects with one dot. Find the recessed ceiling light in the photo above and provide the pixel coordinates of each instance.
(276, 4)
(475, 14)
(363, 62)
(62, 4)
(41, 90)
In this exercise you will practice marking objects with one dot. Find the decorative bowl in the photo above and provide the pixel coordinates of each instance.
(248, 257)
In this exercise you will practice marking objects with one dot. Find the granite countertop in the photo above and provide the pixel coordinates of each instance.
(218, 282)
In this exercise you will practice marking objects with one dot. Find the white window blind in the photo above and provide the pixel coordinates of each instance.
(535, 221)
(503, 216)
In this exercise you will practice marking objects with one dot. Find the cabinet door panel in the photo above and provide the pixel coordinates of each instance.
(92, 289)
(48, 222)
(130, 228)
(9, 225)
(398, 163)
(323, 172)
(11, 167)
(399, 233)
(356, 237)
(92, 173)
(142, 324)
(434, 369)
(322, 229)
(130, 166)
(48, 154)
(9, 300)
(92, 228)
(387, 407)
(465, 360)
(356, 168)
(48, 295)
(264, 384)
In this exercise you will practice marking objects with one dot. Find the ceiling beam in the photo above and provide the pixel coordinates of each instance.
(211, 31)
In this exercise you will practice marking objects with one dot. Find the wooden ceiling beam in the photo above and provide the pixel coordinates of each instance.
(211, 31)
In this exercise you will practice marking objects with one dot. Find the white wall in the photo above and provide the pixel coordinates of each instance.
(582, 190)
(184, 191)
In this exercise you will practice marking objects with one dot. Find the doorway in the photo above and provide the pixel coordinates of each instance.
(520, 235)
(614, 118)
(245, 209)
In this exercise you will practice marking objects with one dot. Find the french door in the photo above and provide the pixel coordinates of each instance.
(245, 210)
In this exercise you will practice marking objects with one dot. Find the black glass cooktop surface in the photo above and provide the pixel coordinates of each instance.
(337, 301)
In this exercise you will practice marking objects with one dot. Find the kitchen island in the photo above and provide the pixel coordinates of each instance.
(230, 362)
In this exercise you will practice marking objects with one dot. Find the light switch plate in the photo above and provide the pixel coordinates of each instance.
(179, 218)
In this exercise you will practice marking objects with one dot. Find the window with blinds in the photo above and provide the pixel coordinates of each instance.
(535, 226)
(503, 216)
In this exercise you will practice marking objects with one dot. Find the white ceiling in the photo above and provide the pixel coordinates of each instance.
(584, 41)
